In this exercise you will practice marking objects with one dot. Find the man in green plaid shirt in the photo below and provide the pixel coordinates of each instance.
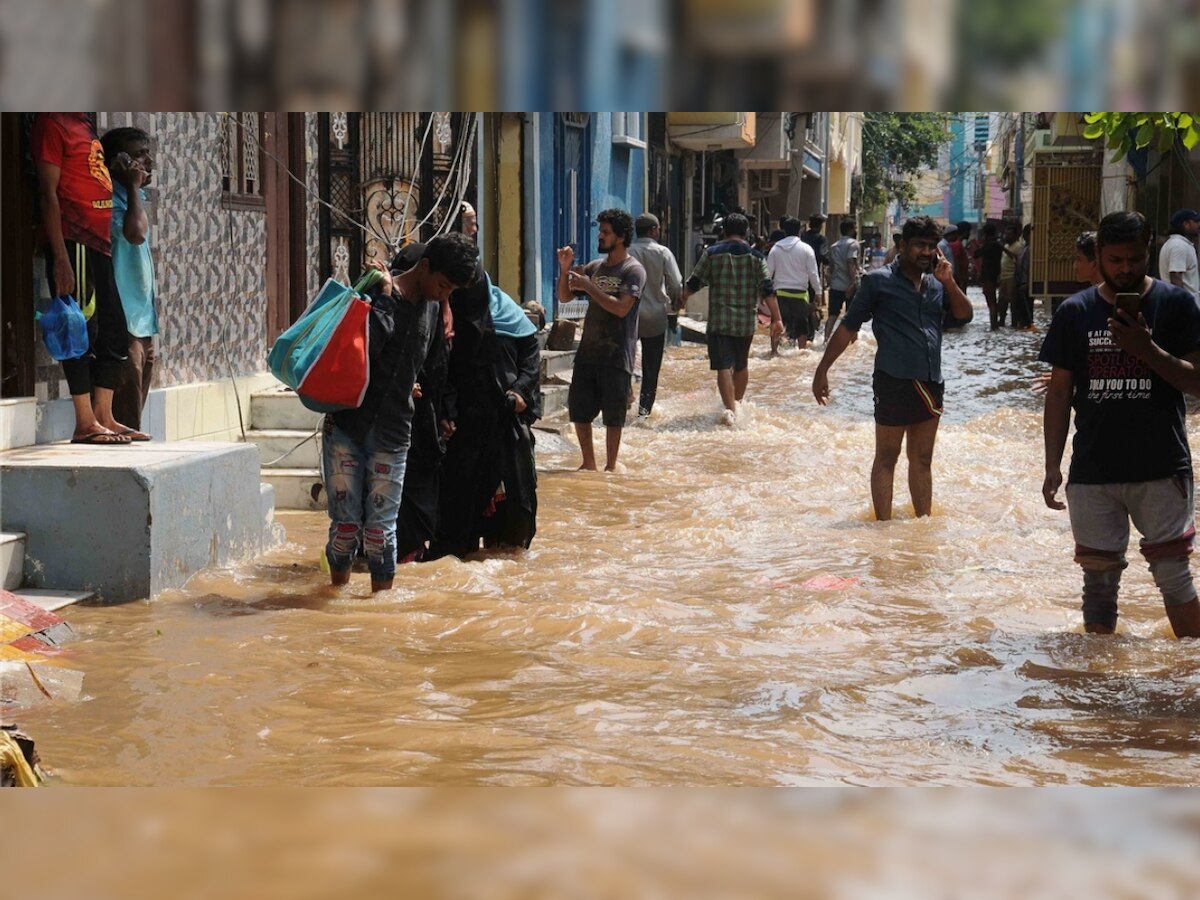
(736, 277)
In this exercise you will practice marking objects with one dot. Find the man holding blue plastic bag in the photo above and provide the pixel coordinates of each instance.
(76, 217)
(364, 450)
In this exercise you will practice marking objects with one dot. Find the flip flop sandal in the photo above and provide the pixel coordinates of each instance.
(101, 439)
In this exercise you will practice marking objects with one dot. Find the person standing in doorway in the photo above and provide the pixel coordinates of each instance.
(127, 155)
(1125, 368)
(603, 375)
(1177, 259)
(76, 218)
(737, 278)
(843, 273)
(906, 302)
(660, 298)
(792, 268)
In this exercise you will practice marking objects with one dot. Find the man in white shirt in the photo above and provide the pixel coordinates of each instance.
(792, 267)
(1177, 259)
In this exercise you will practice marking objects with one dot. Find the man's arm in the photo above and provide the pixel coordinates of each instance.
(1135, 339)
(64, 275)
(130, 173)
(841, 338)
(1177, 280)
(1056, 422)
(566, 258)
(618, 306)
(673, 278)
(960, 306)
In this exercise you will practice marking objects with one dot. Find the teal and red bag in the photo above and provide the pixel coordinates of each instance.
(324, 355)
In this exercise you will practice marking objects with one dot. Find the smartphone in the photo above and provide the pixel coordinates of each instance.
(1130, 304)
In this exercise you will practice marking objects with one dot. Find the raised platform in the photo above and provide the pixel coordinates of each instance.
(130, 521)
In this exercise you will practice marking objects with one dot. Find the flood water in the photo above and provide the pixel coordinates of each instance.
(722, 610)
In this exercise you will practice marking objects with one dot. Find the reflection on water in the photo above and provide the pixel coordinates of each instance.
(723, 610)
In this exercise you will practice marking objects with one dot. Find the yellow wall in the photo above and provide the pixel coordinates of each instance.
(508, 221)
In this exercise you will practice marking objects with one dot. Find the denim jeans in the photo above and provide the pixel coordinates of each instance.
(364, 486)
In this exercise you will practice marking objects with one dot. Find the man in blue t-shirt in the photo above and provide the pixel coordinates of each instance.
(127, 155)
(1130, 459)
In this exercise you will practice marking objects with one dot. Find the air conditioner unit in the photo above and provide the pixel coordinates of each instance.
(768, 180)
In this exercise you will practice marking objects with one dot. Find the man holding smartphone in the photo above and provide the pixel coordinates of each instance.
(1124, 353)
(906, 302)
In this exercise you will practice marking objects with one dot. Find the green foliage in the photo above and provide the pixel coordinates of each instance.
(895, 147)
(1123, 132)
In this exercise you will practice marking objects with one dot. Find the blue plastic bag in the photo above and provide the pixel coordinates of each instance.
(64, 328)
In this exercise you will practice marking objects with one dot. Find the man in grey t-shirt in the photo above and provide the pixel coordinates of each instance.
(844, 274)
(660, 299)
(603, 373)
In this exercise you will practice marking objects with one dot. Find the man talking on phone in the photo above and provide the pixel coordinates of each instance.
(1124, 353)
(906, 302)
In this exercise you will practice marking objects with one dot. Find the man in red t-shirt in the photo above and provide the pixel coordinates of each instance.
(76, 197)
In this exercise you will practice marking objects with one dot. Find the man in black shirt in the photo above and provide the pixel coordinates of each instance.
(1124, 353)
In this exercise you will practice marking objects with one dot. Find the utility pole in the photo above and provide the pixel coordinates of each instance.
(1019, 155)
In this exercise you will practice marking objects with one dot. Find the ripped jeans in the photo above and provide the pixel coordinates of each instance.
(364, 486)
(1162, 510)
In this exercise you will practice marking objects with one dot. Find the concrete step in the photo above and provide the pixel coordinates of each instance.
(12, 559)
(555, 362)
(294, 488)
(554, 399)
(281, 410)
(274, 443)
(51, 600)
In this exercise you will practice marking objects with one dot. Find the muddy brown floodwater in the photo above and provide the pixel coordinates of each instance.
(722, 610)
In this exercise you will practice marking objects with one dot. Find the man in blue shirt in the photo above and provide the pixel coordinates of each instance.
(127, 155)
(906, 302)
(1124, 352)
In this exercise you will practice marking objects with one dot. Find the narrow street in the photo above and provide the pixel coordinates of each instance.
(722, 610)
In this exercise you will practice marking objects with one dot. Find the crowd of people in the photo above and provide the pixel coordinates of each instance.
(439, 456)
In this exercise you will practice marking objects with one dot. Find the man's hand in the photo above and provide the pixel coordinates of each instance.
(820, 386)
(579, 283)
(128, 171)
(64, 276)
(777, 327)
(448, 429)
(1050, 489)
(943, 271)
(566, 257)
(385, 283)
(1132, 337)
(519, 404)
(416, 391)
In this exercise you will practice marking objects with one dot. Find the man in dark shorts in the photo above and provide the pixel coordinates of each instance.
(603, 374)
(792, 267)
(736, 277)
(906, 300)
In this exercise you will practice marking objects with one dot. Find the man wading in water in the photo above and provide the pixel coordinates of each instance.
(906, 300)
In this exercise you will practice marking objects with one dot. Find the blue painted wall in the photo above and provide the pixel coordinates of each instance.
(618, 179)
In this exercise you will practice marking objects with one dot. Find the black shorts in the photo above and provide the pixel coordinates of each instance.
(905, 401)
(599, 390)
(836, 300)
(728, 352)
(796, 314)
